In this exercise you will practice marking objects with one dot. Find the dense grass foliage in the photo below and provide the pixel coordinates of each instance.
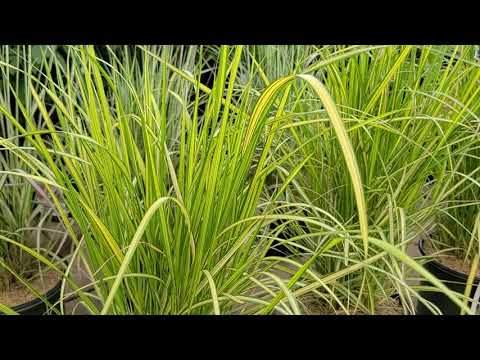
(411, 115)
(346, 154)
(24, 216)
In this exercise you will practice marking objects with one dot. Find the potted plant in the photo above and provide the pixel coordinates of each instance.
(186, 222)
(394, 128)
(453, 247)
(26, 228)
(174, 206)
(183, 214)
(27, 225)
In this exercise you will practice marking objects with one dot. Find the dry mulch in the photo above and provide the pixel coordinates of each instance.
(449, 260)
(386, 307)
(19, 294)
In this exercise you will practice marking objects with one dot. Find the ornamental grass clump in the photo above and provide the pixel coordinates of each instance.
(172, 201)
(404, 108)
(26, 222)
(167, 209)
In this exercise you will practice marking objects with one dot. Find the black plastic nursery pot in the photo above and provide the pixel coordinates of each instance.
(277, 248)
(37, 306)
(453, 279)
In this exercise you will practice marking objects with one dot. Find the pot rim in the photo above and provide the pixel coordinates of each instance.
(444, 268)
(37, 301)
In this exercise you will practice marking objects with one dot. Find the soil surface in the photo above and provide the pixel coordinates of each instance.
(386, 307)
(449, 259)
(19, 294)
